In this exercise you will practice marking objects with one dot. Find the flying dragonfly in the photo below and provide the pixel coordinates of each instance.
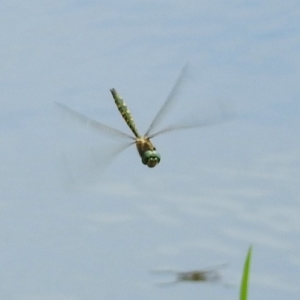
(147, 151)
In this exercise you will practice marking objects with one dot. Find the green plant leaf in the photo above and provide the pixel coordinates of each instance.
(246, 276)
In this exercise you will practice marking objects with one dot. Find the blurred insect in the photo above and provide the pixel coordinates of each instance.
(149, 156)
(205, 275)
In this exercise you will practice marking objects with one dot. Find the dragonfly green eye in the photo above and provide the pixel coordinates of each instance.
(151, 158)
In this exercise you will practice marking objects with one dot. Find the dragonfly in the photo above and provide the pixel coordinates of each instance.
(146, 150)
(204, 275)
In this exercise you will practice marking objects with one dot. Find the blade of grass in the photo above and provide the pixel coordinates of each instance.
(246, 276)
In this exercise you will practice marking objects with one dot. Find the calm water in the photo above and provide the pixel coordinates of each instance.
(70, 230)
(62, 240)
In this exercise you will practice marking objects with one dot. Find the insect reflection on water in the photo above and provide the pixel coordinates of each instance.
(211, 275)
(147, 151)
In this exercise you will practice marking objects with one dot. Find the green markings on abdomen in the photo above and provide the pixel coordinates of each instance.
(124, 111)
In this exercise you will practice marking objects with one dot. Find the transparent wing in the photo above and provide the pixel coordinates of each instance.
(93, 124)
(198, 118)
(164, 109)
(88, 166)
(224, 115)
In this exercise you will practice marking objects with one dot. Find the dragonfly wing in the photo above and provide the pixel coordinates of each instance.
(167, 283)
(193, 121)
(90, 123)
(87, 167)
(164, 109)
(103, 158)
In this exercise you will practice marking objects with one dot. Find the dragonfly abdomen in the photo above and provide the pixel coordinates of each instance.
(124, 111)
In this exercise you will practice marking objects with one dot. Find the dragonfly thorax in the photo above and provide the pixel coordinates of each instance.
(192, 276)
(147, 152)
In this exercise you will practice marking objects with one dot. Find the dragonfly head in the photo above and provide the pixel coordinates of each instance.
(151, 158)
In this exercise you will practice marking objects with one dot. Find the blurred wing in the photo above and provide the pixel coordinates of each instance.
(167, 283)
(164, 271)
(89, 167)
(164, 109)
(90, 123)
(224, 115)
